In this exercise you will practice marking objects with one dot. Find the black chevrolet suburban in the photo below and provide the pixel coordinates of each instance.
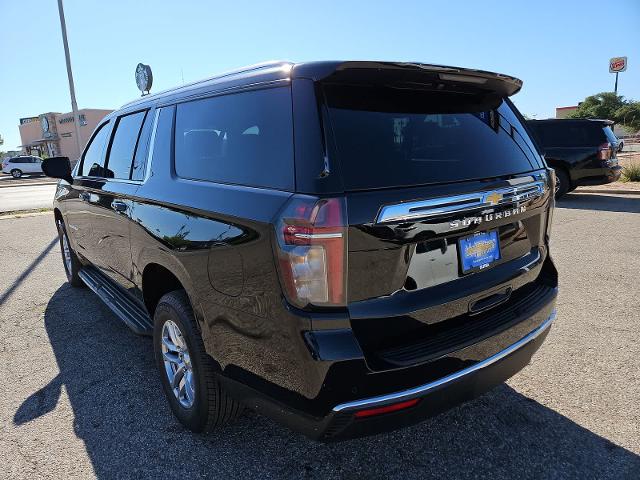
(581, 151)
(347, 247)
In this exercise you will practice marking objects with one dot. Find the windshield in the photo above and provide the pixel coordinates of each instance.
(387, 137)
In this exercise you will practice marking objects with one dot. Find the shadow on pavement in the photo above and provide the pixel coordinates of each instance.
(4, 296)
(128, 430)
(591, 201)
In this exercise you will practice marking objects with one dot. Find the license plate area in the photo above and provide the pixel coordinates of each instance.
(479, 251)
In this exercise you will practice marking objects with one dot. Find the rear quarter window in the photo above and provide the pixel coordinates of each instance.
(242, 138)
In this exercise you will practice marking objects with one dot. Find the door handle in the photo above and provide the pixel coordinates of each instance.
(84, 196)
(119, 206)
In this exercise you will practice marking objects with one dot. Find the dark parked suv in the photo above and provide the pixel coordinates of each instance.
(582, 152)
(347, 247)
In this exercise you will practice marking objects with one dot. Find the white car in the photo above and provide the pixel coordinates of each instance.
(16, 166)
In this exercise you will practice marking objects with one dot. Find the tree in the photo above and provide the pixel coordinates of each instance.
(608, 105)
(629, 116)
(603, 105)
(1, 140)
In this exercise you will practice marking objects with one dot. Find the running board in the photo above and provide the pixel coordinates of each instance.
(135, 317)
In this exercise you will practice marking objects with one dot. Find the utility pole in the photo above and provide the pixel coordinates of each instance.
(72, 90)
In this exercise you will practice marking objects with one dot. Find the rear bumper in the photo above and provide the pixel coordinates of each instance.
(600, 176)
(349, 386)
(440, 395)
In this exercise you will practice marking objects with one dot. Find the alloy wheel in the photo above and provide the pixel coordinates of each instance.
(66, 251)
(177, 364)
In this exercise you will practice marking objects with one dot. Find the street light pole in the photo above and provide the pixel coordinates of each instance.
(72, 90)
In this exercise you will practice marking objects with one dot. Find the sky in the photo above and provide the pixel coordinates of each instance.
(560, 49)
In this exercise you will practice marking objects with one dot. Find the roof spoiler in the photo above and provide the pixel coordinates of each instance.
(417, 74)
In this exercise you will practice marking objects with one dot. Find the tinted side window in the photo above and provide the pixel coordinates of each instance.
(244, 138)
(93, 159)
(163, 138)
(142, 150)
(123, 145)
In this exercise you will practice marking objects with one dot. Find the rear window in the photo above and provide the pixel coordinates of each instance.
(243, 138)
(569, 134)
(388, 137)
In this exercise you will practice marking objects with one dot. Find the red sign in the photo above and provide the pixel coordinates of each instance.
(618, 64)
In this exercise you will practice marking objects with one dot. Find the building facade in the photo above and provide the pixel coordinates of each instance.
(564, 112)
(53, 134)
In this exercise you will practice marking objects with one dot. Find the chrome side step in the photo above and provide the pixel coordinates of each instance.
(135, 317)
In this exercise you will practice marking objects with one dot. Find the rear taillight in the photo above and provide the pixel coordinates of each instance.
(552, 202)
(605, 151)
(311, 248)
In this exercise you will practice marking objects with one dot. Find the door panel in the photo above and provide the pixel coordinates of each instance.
(107, 211)
(108, 200)
(30, 167)
(75, 219)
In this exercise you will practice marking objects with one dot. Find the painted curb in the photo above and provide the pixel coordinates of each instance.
(27, 184)
(611, 192)
(26, 213)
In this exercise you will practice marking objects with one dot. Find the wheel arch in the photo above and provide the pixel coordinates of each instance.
(157, 280)
(559, 164)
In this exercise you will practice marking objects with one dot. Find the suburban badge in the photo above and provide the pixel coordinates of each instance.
(487, 217)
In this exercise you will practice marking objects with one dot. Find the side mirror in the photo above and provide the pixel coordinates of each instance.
(57, 167)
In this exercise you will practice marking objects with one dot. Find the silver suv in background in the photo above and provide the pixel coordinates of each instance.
(17, 166)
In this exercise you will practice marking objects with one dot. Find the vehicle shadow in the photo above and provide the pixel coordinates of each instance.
(6, 294)
(589, 201)
(128, 430)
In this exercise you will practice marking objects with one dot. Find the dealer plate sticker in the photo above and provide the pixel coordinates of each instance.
(479, 250)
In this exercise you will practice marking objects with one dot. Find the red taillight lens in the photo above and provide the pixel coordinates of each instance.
(604, 152)
(371, 412)
(312, 247)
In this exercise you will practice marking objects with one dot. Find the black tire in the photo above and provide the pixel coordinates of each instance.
(212, 406)
(16, 173)
(563, 183)
(72, 267)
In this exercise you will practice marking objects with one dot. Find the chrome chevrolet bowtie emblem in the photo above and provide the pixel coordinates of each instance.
(492, 198)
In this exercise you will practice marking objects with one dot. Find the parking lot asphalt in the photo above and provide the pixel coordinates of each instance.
(26, 197)
(26, 179)
(80, 397)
